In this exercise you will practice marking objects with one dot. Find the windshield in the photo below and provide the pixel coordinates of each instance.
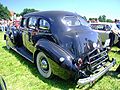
(74, 21)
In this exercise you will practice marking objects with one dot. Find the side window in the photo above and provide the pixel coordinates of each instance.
(43, 24)
(32, 22)
(23, 23)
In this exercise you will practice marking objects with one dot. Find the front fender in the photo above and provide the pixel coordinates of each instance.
(56, 53)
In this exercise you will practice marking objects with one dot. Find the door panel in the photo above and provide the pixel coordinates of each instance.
(29, 43)
(31, 25)
(24, 37)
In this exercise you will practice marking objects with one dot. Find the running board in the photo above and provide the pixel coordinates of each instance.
(23, 52)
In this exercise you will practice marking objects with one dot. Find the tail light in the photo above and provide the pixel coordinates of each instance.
(79, 62)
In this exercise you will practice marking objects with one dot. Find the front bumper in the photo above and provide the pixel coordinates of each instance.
(93, 78)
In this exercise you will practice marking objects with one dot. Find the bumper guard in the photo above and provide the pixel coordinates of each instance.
(93, 78)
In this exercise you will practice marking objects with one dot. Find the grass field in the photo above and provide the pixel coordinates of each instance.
(21, 74)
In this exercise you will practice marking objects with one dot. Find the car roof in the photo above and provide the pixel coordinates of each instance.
(50, 13)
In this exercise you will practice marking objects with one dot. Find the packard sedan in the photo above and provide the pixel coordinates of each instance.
(60, 43)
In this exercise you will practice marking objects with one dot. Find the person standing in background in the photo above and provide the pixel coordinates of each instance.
(114, 31)
(2, 26)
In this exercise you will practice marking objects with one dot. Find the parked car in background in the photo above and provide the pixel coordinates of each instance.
(104, 29)
(60, 43)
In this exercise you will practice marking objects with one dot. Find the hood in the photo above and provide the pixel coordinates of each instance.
(78, 42)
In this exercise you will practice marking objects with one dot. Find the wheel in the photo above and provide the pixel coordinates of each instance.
(7, 45)
(43, 65)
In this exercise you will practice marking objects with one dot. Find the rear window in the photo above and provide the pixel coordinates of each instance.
(71, 21)
(74, 21)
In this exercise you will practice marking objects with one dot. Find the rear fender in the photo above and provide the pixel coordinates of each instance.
(56, 53)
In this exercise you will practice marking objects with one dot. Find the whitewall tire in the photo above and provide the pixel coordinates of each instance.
(43, 65)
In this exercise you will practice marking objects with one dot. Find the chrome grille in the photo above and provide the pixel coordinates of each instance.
(97, 58)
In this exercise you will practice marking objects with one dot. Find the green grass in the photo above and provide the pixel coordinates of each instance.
(21, 74)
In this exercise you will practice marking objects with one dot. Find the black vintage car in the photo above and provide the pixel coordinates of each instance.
(60, 43)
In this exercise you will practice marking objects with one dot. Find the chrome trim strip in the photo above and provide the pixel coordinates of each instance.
(98, 54)
(99, 63)
(98, 59)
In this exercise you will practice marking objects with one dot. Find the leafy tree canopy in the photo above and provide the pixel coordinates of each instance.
(4, 12)
(26, 10)
(109, 20)
(17, 14)
(93, 19)
(102, 18)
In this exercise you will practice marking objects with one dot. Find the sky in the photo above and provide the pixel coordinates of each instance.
(88, 8)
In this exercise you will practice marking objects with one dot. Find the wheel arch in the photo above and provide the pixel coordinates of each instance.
(35, 55)
(54, 51)
(55, 67)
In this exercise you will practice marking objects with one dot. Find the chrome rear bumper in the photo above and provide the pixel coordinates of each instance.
(93, 78)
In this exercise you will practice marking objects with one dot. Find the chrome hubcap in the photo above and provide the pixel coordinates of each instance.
(44, 64)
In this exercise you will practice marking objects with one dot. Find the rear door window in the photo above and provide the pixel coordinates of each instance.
(43, 25)
(32, 23)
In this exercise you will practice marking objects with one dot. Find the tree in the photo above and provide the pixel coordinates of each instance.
(90, 18)
(26, 10)
(4, 12)
(109, 20)
(102, 18)
(17, 14)
(93, 19)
